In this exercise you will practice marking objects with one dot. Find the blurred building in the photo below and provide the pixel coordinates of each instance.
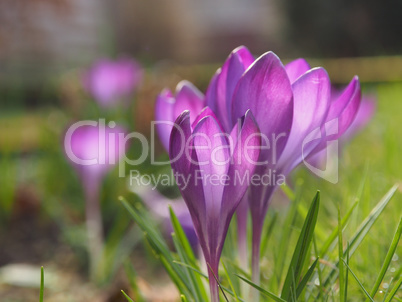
(41, 37)
(197, 31)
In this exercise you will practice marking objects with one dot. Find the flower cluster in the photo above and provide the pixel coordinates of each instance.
(288, 111)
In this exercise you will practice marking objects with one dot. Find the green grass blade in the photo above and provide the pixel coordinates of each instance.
(218, 282)
(268, 232)
(195, 287)
(262, 291)
(230, 282)
(358, 281)
(231, 293)
(319, 271)
(393, 292)
(154, 238)
(187, 256)
(132, 279)
(340, 257)
(361, 233)
(42, 284)
(388, 258)
(177, 280)
(126, 296)
(334, 233)
(347, 274)
(286, 233)
(237, 268)
(192, 268)
(387, 291)
(288, 192)
(370, 220)
(183, 298)
(182, 236)
(306, 278)
(300, 254)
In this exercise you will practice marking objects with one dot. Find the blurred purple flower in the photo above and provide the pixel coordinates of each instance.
(158, 206)
(200, 151)
(111, 82)
(94, 143)
(93, 150)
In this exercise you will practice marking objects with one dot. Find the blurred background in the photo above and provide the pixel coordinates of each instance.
(47, 45)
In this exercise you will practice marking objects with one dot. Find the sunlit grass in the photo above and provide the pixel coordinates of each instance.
(370, 165)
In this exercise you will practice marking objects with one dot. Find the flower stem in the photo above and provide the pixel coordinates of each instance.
(241, 215)
(213, 281)
(94, 230)
(255, 259)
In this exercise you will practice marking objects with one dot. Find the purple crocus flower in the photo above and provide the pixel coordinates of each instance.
(111, 82)
(294, 111)
(290, 103)
(93, 150)
(205, 161)
(168, 107)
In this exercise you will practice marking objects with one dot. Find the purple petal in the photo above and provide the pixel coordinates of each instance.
(212, 152)
(364, 115)
(164, 116)
(206, 112)
(179, 138)
(265, 89)
(346, 106)
(344, 109)
(184, 165)
(311, 97)
(245, 155)
(341, 114)
(296, 68)
(211, 96)
(212, 149)
(188, 97)
(223, 84)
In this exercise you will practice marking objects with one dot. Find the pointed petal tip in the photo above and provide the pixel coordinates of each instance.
(355, 83)
(269, 56)
(185, 114)
(297, 68)
(184, 84)
(241, 51)
(206, 111)
(249, 115)
(165, 93)
(239, 48)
